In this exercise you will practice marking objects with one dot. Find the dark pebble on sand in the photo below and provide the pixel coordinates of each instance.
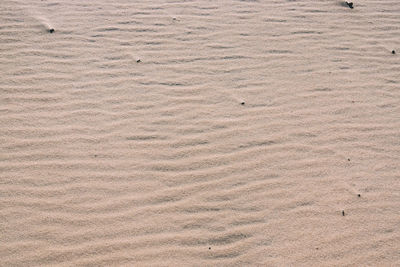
(51, 30)
(209, 248)
(242, 103)
(138, 61)
(393, 52)
(343, 212)
(348, 159)
(350, 4)
(359, 195)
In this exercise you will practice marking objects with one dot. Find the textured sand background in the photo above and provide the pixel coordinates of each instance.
(107, 161)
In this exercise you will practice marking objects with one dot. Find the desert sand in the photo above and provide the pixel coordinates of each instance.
(199, 133)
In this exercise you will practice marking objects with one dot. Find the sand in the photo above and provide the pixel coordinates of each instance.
(240, 137)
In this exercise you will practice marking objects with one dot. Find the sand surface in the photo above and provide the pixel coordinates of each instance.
(106, 161)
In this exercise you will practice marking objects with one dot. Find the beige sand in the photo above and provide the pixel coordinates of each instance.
(109, 162)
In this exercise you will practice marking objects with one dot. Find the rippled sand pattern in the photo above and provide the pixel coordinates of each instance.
(199, 133)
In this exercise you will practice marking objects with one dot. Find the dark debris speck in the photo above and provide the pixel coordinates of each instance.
(350, 4)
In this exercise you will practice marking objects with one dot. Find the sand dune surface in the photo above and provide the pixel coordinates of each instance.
(199, 133)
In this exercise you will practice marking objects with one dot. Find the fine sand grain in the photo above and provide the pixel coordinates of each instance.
(199, 133)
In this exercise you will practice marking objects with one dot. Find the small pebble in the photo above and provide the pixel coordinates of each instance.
(209, 248)
(348, 159)
(393, 52)
(242, 103)
(343, 212)
(138, 61)
(51, 30)
(350, 4)
(173, 18)
(359, 195)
